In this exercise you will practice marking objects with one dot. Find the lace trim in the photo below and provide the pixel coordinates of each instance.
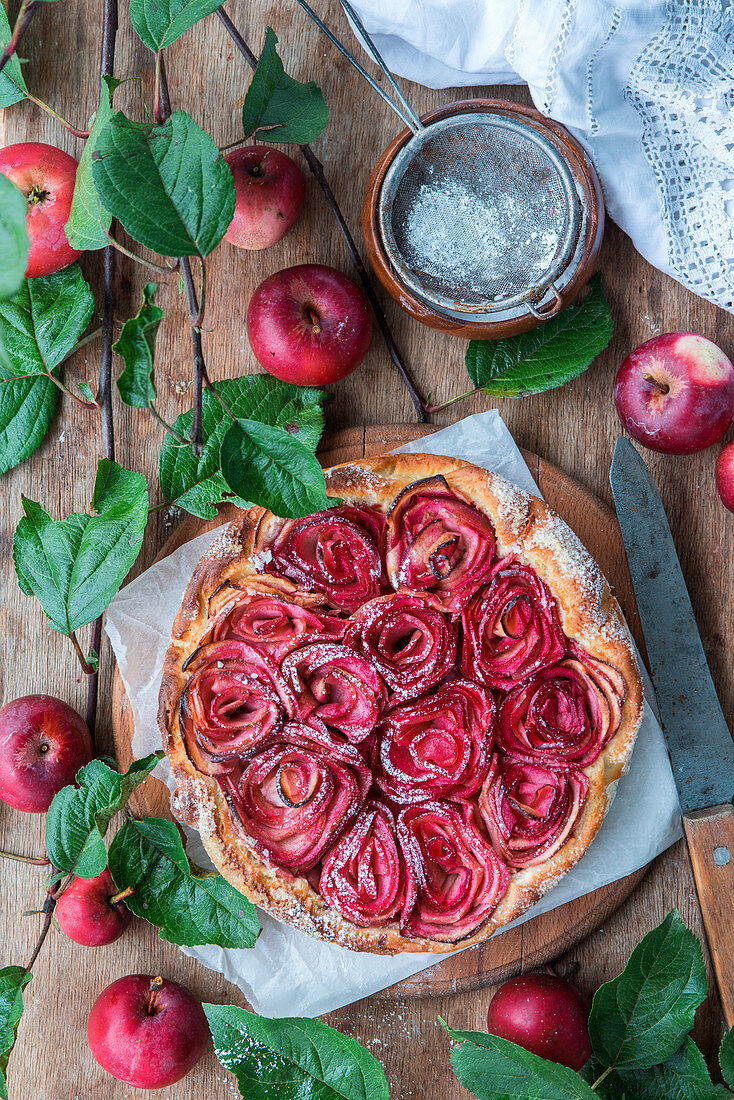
(591, 120)
(682, 87)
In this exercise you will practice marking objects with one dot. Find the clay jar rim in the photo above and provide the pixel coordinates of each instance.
(584, 175)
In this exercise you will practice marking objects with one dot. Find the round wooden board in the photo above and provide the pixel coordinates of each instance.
(551, 934)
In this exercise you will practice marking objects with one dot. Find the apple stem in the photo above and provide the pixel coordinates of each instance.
(122, 895)
(314, 320)
(25, 859)
(317, 170)
(661, 387)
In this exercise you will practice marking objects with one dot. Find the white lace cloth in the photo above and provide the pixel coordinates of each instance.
(648, 86)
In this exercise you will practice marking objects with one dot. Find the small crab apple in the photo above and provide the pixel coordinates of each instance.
(88, 913)
(269, 195)
(725, 475)
(309, 324)
(46, 176)
(43, 744)
(543, 1014)
(675, 393)
(148, 1032)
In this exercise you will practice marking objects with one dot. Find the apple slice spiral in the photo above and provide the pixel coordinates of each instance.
(297, 795)
(336, 686)
(411, 644)
(563, 715)
(455, 878)
(438, 746)
(511, 627)
(337, 553)
(234, 700)
(438, 544)
(530, 811)
(274, 624)
(363, 876)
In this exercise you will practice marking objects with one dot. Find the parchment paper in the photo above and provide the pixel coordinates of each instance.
(289, 973)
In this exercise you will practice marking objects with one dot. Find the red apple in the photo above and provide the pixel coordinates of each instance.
(725, 475)
(270, 190)
(147, 1032)
(675, 393)
(46, 176)
(543, 1014)
(43, 744)
(87, 915)
(309, 324)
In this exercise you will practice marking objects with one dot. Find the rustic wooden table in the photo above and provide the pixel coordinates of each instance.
(575, 427)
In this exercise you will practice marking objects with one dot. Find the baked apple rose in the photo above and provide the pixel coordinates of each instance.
(511, 627)
(363, 876)
(275, 624)
(234, 700)
(439, 745)
(455, 878)
(438, 544)
(411, 644)
(295, 796)
(337, 553)
(336, 686)
(563, 715)
(530, 811)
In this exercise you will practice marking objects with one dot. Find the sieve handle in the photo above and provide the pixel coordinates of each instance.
(544, 313)
(380, 61)
(403, 109)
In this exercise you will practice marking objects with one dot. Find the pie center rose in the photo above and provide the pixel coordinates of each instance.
(394, 715)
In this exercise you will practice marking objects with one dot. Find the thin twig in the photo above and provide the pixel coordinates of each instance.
(195, 311)
(317, 169)
(26, 14)
(104, 389)
(25, 859)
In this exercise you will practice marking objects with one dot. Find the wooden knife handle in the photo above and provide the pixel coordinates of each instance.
(710, 837)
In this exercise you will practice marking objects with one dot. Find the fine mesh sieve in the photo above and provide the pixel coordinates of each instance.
(478, 215)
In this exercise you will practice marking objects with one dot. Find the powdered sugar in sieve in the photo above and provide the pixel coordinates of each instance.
(478, 212)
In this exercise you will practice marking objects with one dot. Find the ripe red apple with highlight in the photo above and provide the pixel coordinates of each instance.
(46, 176)
(270, 191)
(147, 1032)
(309, 325)
(543, 1014)
(43, 744)
(675, 393)
(86, 913)
(725, 475)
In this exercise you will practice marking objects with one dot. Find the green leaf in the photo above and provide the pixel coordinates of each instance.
(188, 905)
(26, 408)
(278, 107)
(12, 84)
(136, 345)
(158, 23)
(13, 980)
(495, 1069)
(641, 1017)
(293, 1059)
(197, 485)
(42, 322)
(76, 565)
(79, 815)
(545, 357)
(169, 186)
(271, 468)
(726, 1058)
(13, 237)
(683, 1077)
(89, 223)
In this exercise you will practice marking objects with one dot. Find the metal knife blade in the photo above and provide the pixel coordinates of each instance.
(700, 744)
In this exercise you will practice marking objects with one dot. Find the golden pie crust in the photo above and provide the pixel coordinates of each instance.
(589, 614)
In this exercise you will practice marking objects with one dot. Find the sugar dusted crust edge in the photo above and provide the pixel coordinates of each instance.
(589, 614)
